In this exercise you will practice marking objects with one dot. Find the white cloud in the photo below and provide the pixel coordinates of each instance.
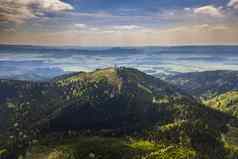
(187, 9)
(199, 28)
(209, 10)
(80, 26)
(94, 29)
(20, 10)
(204, 33)
(84, 28)
(108, 31)
(233, 3)
(99, 29)
(126, 27)
(122, 29)
(100, 14)
(9, 30)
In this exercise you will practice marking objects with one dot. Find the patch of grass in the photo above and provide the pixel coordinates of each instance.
(162, 151)
(143, 145)
(3, 153)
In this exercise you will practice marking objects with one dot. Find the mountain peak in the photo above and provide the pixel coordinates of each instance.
(109, 73)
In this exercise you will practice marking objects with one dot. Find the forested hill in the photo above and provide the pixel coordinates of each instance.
(122, 91)
(122, 100)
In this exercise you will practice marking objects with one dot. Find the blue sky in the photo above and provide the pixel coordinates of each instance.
(114, 22)
(94, 5)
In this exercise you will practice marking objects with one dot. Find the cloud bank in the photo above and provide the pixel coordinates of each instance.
(19, 11)
(233, 4)
(209, 10)
(98, 23)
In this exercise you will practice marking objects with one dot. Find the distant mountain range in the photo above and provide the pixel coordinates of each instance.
(45, 62)
(37, 74)
(205, 84)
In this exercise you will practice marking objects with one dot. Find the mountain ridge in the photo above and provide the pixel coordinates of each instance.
(206, 84)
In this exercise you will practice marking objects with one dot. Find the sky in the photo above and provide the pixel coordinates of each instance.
(119, 22)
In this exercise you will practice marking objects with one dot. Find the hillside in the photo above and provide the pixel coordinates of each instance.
(206, 84)
(123, 98)
(227, 102)
(107, 102)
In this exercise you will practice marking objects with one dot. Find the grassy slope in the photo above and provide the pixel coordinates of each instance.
(227, 102)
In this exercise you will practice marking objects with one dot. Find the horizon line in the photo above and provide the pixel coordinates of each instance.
(113, 46)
